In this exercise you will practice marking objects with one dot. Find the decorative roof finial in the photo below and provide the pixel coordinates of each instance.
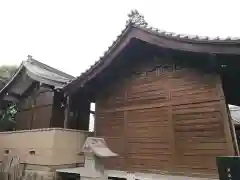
(29, 57)
(136, 18)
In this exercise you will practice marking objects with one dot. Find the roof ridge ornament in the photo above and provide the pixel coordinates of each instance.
(29, 57)
(136, 18)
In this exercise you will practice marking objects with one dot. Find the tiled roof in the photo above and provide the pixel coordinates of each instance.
(136, 20)
(38, 71)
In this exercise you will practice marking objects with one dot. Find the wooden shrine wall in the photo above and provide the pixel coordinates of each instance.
(35, 111)
(165, 119)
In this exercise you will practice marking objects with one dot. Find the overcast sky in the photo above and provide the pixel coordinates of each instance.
(71, 34)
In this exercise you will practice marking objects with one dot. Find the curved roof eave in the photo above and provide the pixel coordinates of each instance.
(41, 73)
(46, 76)
(162, 39)
(44, 80)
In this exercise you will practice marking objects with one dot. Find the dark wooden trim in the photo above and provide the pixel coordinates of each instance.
(178, 44)
(67, 106)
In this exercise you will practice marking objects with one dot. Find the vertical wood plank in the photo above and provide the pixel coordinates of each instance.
(172, 133)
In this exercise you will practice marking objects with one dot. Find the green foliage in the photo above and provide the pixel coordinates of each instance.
(7, 117)
(7, 71)
(9, 113)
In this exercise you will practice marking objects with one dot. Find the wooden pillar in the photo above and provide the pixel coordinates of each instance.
(66, 113)
(84, 114)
